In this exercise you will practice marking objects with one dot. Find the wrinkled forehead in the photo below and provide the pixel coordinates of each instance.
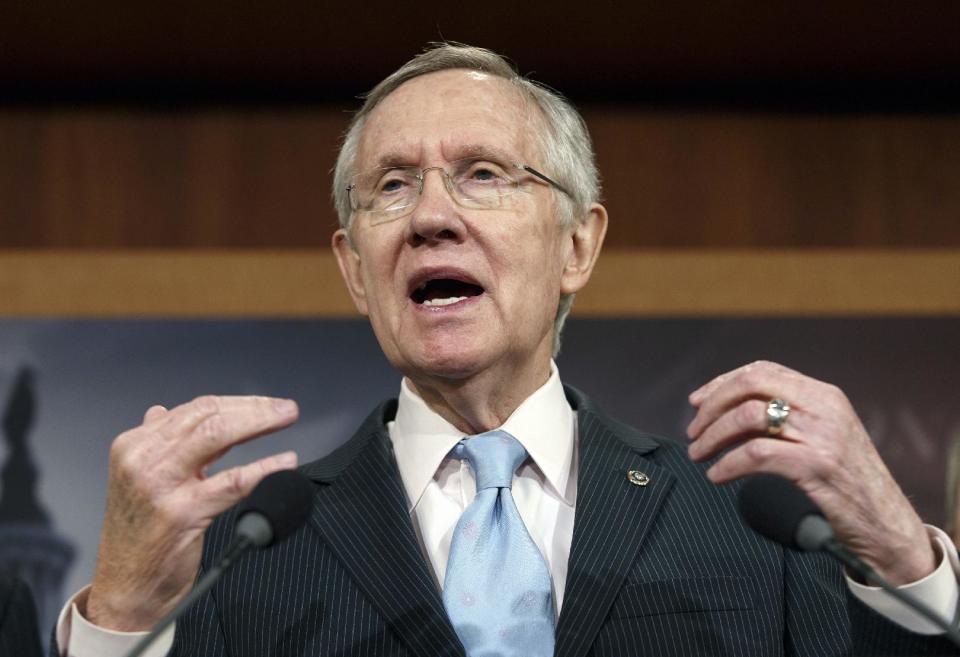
(447, 115)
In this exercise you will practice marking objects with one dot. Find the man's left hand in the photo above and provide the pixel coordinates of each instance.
(824, 449)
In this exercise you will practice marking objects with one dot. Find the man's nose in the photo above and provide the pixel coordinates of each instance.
(436, 215)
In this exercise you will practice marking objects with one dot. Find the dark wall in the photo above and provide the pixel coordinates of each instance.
(736, 52)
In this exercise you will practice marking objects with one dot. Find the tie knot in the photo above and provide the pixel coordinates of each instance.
(494, 457)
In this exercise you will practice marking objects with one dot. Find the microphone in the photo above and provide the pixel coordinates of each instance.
(777, 509)
(277, 507)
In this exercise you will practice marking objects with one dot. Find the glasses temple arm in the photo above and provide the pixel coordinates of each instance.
(529, 169)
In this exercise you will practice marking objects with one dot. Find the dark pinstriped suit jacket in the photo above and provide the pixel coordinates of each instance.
(665, 569)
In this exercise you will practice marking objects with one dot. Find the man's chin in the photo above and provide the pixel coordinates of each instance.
(446, 362)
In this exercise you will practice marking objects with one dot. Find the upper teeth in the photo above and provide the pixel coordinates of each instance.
(443, 301)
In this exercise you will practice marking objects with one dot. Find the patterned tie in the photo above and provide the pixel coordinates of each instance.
(497, 587)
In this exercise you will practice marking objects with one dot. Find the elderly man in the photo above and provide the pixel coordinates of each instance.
(491, 510)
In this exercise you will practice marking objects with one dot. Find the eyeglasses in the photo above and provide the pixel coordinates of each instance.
(388, 193)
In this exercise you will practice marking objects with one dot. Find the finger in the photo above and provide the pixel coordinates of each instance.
(759, 454)
(187, 417)
(213, 459)
(224, 489)
(209, 426)
(154, 413)
(696, 397)
(761, 380)
(746, 419)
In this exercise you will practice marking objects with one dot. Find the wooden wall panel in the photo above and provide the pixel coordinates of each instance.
(115, 179)
(779, 181)
(111, 179)
(297, 283)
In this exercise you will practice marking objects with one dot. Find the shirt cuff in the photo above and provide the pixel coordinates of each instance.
(81, 638)
(938, 590)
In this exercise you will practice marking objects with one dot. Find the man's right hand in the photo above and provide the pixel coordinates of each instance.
(160, 502)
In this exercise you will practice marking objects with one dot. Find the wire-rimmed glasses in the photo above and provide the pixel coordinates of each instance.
(388, 193)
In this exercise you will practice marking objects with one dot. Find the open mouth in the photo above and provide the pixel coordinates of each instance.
(444, 292)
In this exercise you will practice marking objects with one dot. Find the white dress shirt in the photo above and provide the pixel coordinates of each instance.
(440, 487)
(545, 489)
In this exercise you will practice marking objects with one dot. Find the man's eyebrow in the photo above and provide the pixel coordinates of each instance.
(481, 151)
(392, 159)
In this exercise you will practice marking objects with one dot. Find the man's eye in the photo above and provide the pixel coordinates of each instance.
(485, 172)
(391, 185)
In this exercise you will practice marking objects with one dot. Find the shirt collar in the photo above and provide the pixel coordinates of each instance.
(543, 423)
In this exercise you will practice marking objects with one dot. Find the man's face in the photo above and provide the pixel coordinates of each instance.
(506, 265)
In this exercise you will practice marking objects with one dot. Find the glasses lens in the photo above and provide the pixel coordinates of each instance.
(385, 189)
(482, 183)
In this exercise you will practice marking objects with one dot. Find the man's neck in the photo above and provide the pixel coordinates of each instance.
(484, 401)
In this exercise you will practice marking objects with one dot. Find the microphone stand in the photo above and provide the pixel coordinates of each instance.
(834, 548)
(776, 508)
(234, 551)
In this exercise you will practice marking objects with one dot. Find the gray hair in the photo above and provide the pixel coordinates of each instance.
(563, 137)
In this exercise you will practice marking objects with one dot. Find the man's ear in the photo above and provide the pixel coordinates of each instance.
(587, 238)
(348, 259)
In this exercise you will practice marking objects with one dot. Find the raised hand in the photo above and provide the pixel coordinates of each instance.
(822, 447)
(160, 501)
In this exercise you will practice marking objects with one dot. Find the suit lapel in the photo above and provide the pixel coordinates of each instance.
(362, 516)
(613, 516)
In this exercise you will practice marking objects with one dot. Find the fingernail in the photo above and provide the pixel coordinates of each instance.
(285, 407)
(287, 459)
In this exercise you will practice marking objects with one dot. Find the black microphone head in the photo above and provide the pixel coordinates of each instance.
(775, 507)
(283, 499)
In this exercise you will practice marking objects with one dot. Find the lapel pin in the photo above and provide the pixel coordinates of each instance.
(638, 478)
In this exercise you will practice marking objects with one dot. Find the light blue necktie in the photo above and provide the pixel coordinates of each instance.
(497, 587)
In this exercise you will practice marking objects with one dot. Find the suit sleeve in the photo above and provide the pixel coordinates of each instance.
(873, 634)
(824, 618)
